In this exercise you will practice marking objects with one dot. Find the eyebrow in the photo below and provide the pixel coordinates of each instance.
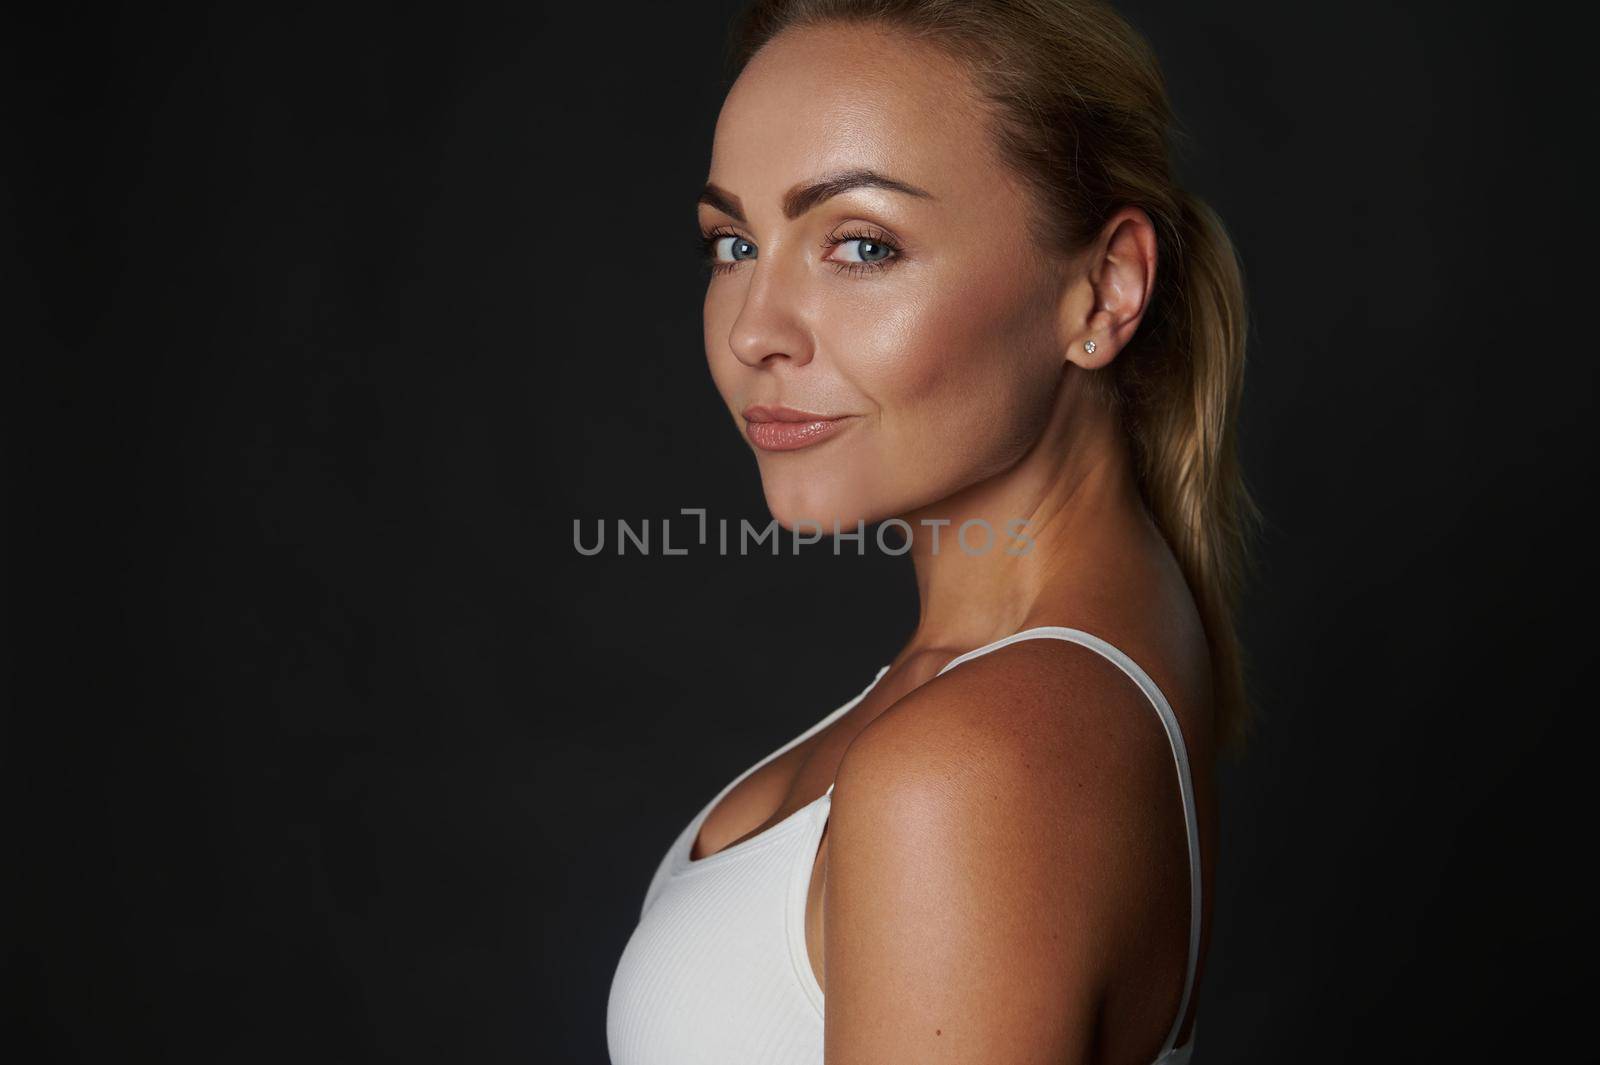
(802, 198)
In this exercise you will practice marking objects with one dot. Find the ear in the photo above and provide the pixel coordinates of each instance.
(1108, 302)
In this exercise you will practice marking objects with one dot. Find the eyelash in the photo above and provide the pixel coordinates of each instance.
(834, 240)
(707, 244)
(708, 248)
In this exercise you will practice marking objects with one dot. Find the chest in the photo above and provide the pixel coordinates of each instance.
(720, 962)
(796, 774)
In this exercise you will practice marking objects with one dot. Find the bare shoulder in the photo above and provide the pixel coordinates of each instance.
(1000, 865)
(1036, 721)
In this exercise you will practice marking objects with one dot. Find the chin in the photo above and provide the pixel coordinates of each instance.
(804, 508)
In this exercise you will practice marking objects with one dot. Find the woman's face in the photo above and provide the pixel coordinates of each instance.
(912, 310)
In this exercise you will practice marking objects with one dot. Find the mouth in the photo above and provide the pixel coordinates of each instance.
(787, 429)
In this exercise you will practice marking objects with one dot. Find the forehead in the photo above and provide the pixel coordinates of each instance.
(829, 98)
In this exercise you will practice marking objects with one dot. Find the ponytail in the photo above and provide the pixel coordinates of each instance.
(1182, 414)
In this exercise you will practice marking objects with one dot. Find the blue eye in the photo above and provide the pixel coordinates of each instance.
(737, 248)
(866, 250)
(722, 249)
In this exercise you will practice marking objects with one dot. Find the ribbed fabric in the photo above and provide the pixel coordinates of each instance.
(717, 972)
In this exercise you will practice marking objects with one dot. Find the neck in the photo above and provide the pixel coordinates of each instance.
(1076, 485)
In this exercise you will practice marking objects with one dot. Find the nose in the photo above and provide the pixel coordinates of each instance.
(768, 329)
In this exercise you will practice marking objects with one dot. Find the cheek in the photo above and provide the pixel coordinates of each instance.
(967, 361)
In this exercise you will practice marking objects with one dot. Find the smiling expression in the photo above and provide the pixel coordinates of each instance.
(879, 319)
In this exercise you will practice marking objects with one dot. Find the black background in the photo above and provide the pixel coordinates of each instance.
(327, 321)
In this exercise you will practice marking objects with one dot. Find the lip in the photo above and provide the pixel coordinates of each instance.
(778, 428)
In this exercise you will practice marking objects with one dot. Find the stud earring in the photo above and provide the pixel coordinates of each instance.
(1088, 346)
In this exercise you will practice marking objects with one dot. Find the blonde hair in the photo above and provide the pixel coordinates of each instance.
(1081, 113)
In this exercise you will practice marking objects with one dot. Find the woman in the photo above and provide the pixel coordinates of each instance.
(953, 281)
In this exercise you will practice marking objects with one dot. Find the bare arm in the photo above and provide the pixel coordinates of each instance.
(999, 869)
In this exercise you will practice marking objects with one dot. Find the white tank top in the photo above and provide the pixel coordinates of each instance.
(717, 972)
